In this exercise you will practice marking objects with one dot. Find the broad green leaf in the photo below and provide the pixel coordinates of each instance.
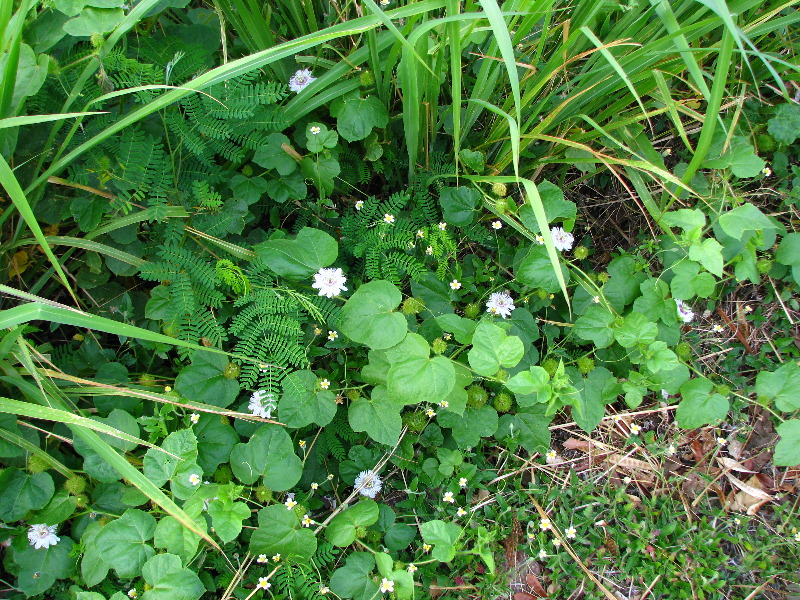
(227, 516)
(94, 20)
(475, 160)
(322, 171)
(595, 326)
(39, 569)
(304, 403)
(378, 416)
(270, 454)
(122, 543)
(469, 428)
(249, 189)
(341, 531)
(301, 257)
(22, 493)
(177, 539)
(623, 286)
(215, 440)
(353, 580)
(93, 568)
(690, 282)
(744, 218)
(781, 386)
(399, 536)
(461, 328)
(271, 155)
(168, 580)
(636, 329)
(291, 186)
(204, 380)
(458, 204)
(88, 211)
(599, 388)
(368, 317)
(443, 537)
(532, 381)
(785, 125)
(492, 348)
(529, 427)
(736, 153)
(700, 405)
(536, 270)
(556, 207)
(417, 379)
(688, 219)
(319, 137)
(179, 446)
(658, 357)
(709, 254)
(356, 117)
(279, 532)
(59, 509)
(654, 303)
(787, 450)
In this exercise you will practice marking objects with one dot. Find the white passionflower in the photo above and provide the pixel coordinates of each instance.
(43, 536)
(330, 282)
(387, 585)
(301, 80)
(368, 484)
(562, 240)
(262, 403)
(684, 312)
(500, 303)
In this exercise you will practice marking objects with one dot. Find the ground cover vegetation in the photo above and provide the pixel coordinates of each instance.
(399, 299)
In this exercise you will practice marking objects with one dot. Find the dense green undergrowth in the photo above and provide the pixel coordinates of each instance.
(310, 300)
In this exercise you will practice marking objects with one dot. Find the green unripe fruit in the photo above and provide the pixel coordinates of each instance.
(472, 310)
(247, 170)
(764, 266)
(766, 143)
(502, 402)
(170, 330)
(53, 68)
(439, 346)
(603, 277)
(415, 421)
(353, 395)
(476, 396)
(263, 494)
(97, 40)
(36, 464)
(147, 379)
(585, 365)
(75, 485)
(500, 190)
(300, 510)
(366, 78)
(373, 535)
(231, 370)
(361, 532)
(581, 252)
(223, 474)
(683, 350)
(412, 306)
(501, 375)
(619, 322)
(551, 366)
(81, 501)
(542, 294)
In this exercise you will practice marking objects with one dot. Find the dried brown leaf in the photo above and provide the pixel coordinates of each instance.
(536, 585)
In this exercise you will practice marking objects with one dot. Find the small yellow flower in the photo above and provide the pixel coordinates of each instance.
(766, 171)
(557, 542)
(385, 2)
(797, 537)
(302, 443)
(167, 388)
(317, 331)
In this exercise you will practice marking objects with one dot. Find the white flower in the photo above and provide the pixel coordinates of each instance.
(194, 418)
(426, 547)
(500, 303)
(635, 429)
(497, 224)
(718, 328)
(671, 450)
(766, 171)
(290, 503)
(665, 394)
(315, 130)
(430, 413)
(796, 536)
(596, 299)
(132, 593)
(420, 233)
(571, 532)
(531, 535)
(332, 335)
(368, 484)
(462, 482)
(307, 521)
(721, 441)
(545, 524)
(455, 284)
(444, 404)
(262, 558)
(448, 497)
(542, 554)
(324, 384)
(387, 218)
(315, 486)
(385, 2)
(262, 403)
(302, 443)
(461, 512)
(411, 568)
(276, 558)
(359, 204)
(194, 479)
(387, 585)
(442, 225)
(556, 542)
(684, 312)
(551, 454)
(539, 239)
(627, 480)
(429, 250)
(329, 282)
(562, 240)
(263, 583)
(43, 536)
(301, 80)
(324, 590)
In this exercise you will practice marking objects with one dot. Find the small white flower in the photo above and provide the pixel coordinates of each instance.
(290, 503)
(671, 450)
(562, 240)
(497, 224)
(42, 536)
(627, 480)
(412, 568)
(262, 403)
(194, 479)
(442, 225)
(635, 429)
(315, 486)
(717, 328)
(531, 536)
(551, 454)
(721, 441)
(324, 384)
(330, 476)
(797, 537)
(542, 554)
(448, 497)
(426, 547)
(539, 239)
(447, 337)
(387, 585)
(315, 130)
(368, 484)
(571, 532)
(748, 309)
(359, 204)
(132, 593)
(545, 524)
(317, 331)
(444, 404)
(557, 543)
(766, 171)
(302, 443)
(462, 482)
(461, 512)
(430, 413)
(263, 583)
(500, 303)
(194, 418)
(455, 284)
(332, 335)
(665, 394)
(420, 233)
(684, 312)
(596, 299)
(301, 80)
(262, 558)
(276, 558)
(429, 250)
(601, 523)
(307, 521)
(324, 590)
(329, 282)
(385, 2)
(387, 218)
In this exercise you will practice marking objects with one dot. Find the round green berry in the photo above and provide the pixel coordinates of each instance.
(366, 78)
(36, 464)
(585, 365)
(301, 510)
(97, 40)
(764, 266)
(412, 306)
(603, 277)
(75, 485)
(581, 252)
(353, 395)
(501, 375)
(502, 402)
(223, 474)
(361, 532)
(542, 294)
(499, 189)
(476, 396)
(551, 366)
(231, 371)
(439, 346)
(415, 421)
(263, 494)
(147, 380)
(723, 389)
(472, 310)
(81, 501)
(373, 535)
(247, 170)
